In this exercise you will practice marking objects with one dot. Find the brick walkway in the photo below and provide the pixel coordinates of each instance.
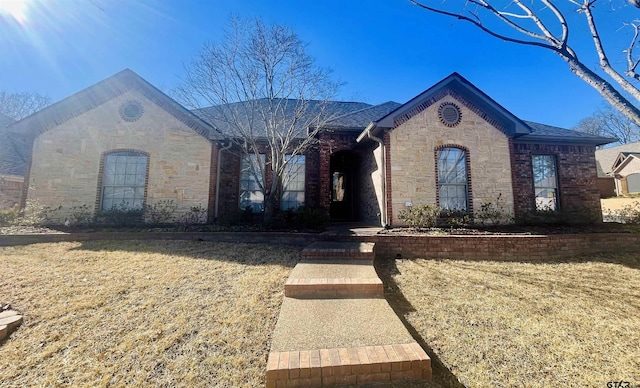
(335, 327)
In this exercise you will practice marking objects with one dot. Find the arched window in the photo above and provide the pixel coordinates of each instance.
(124, 180)
(453, 179)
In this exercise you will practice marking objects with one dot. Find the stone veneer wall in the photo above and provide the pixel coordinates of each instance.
(10, 190)
(577, 177)
(413, 165)
(370, 185)
(65, 165)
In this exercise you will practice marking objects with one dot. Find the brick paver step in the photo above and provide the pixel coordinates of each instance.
(353, 365)
(342, 278)
(339, 250)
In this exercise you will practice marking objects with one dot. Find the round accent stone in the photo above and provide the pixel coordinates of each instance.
(131, 111)
(449, 114)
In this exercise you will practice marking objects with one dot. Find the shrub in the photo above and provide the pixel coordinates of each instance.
(420, 216)
(454, 219)
(9, 215)
(81, 215)
(34, 214)
(493, 213)
(161, 212)
(120, 215)
(560, 217)
(308, 218)
(196, 215)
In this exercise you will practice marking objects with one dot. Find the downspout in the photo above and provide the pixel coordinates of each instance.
(384, 173)
(215, 215)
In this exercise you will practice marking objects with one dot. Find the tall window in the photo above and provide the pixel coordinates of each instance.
(452, 179)
(124, 180)
(545, 182)
(293, 183)
(250, 181)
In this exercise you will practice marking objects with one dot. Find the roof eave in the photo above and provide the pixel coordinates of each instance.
(531, 138)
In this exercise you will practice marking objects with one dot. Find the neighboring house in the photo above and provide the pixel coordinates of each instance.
(618, 169)
(13, 147)
(122, 140)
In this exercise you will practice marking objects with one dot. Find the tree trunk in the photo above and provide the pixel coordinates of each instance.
(272, 204)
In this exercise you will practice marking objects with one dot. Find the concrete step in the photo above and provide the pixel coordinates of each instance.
(339, 250)
(341, 278)
(323, 342)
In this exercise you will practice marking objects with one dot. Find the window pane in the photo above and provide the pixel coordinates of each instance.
(293, 182)
(250, 180)
(123, 180)
(452, 179)
(545, 181)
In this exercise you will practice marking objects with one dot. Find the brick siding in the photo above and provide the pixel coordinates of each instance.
(577, 179)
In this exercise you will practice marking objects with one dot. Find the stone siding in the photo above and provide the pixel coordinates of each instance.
(413, 165)
(577, 178)
(65, 166)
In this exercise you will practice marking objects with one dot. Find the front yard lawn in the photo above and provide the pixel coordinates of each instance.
(508, 324)
(142, 313)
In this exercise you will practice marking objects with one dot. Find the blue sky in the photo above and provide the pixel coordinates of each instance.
(383, 50)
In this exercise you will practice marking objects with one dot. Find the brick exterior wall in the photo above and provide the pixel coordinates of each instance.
(577, 177)
(10, 190)
(412, 162)
(65, 166)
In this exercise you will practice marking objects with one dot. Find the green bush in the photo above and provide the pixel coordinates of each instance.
(493, 213)
(81, 215)
(453, 218)
(308, 218)
(560, 217)
(420, 216)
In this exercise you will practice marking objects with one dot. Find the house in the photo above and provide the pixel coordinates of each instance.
(619, 167)
(123, 141)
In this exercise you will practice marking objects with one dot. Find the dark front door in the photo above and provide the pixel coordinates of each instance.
(343, 186)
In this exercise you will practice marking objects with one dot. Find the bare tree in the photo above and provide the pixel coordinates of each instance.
(609, 122)
(544, 24)
(264, 93)
(20, 105)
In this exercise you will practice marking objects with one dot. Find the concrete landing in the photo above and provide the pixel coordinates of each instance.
(331, 331)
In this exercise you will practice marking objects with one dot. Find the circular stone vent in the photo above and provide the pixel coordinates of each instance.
(449, 114)
(131, 111)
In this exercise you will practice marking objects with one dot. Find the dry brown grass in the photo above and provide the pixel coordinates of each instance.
(507, 324)
(141, 313)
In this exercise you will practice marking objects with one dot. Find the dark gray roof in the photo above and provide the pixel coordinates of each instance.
(607, 156)
(249, 112)
(14, 152)
(549, 133)
(358, 120)
(5, 120)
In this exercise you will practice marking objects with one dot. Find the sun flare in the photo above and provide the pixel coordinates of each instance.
(16, 9)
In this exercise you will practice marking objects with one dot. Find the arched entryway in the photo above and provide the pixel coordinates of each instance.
(344, 186)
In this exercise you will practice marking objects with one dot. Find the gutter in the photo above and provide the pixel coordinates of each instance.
(367, 133)
(225, 148)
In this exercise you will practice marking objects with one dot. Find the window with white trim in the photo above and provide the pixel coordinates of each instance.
(251, 180)
(124, 179)
(452, 179)
(545, 182)
(293, 182)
